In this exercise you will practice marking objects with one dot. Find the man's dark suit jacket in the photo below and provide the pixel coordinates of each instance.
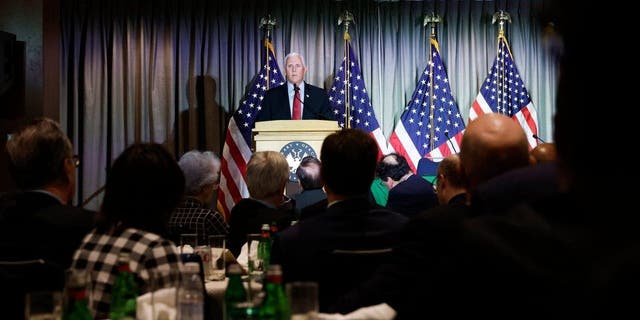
(306, 198)
(305, 249)
(248, 215)
(447, 266)
(36, 226)
(275, 105)
(412, 196)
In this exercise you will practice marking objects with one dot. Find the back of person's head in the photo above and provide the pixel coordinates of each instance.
(544, 152)
(449, 168)
(143, 187)
(348, 159)
(492, 144)
(308, 173)
(393, 166)
(449, 175)
(38, 153)
(201, 169)
(267, 174)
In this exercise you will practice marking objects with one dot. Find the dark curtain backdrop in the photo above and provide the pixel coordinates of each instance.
(173, 71)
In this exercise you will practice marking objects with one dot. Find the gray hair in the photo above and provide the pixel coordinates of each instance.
(294, 54)
(37, 153)
(200, 169)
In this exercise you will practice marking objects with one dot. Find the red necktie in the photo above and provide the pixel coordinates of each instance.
(297, 108)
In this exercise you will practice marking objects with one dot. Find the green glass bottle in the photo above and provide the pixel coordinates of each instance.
(76, 304)
(234, 294)
(264, 246)
(275, 305)
(124, 292)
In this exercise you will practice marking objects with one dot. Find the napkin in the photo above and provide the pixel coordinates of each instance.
(376, 312)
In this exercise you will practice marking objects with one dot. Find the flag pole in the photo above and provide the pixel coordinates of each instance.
(502, 18)
(431, 20)
(346, 19)
(267, 23)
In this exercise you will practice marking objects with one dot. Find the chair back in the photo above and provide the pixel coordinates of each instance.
(345, 269)
(23, 276)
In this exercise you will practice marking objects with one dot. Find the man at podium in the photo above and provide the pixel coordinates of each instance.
(295, 99)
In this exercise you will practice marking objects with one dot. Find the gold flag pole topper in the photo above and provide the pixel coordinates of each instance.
(502, 17)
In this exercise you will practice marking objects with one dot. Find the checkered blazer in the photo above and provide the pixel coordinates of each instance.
(191, 216)
(150, 254)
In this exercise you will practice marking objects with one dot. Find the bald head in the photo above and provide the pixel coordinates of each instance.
(492, 144)
(544, 152)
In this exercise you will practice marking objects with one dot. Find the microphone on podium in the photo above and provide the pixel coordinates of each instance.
(446, 134)
(535, 136)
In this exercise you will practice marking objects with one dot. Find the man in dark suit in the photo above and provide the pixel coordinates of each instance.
(279, 103)
(308, 173)
(307, 250)
(494, 264)
(38, 223)
(408, 193)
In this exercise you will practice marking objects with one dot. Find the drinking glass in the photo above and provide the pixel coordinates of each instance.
(43, 305)
(256, 265)
(161, 300)
(188, 242)
(303, 297)
(218, 244)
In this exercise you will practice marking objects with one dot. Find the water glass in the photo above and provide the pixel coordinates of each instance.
(218, 245)
(303, 297)
(161, 299)
(256, 265)
(188, 242)
(43, 305)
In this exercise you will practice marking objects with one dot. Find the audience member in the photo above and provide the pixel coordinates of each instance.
(351, 222)
(308, 173)
(522, 183)
(544, 152)
(450, 182)
(279, 102)
(493, 144)
(408, 193)
(267, 175)
(495, 265)
(194, 214)
(143, 188)
(39, 222)
(572, 256)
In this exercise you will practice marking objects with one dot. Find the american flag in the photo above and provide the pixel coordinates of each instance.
(503, 91)
(431, 125)
(361, 112)
(237, 144)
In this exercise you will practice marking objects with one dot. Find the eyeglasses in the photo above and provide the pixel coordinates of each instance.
(76, 160)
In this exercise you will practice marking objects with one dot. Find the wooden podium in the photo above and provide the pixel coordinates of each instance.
(282, 135)
(295, 139)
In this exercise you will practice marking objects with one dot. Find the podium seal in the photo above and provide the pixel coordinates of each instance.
(294, 151)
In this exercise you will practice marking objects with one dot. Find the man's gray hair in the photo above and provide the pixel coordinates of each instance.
(294, 54)
(200, 169)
